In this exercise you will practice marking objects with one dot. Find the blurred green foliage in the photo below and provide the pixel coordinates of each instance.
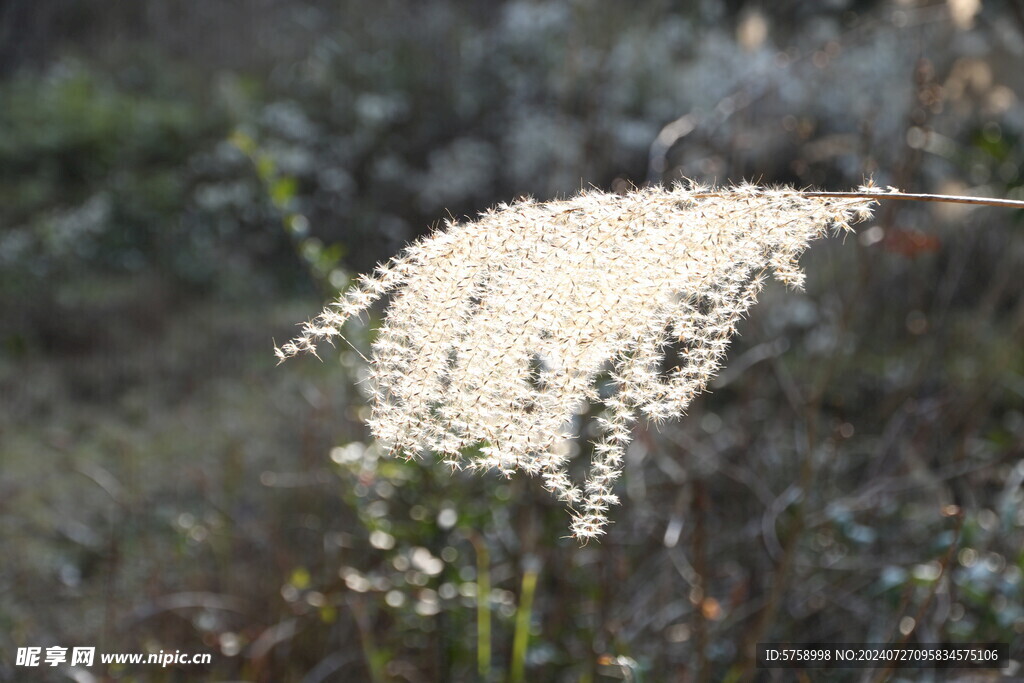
(90, 170)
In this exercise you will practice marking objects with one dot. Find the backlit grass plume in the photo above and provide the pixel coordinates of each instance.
(502, 330)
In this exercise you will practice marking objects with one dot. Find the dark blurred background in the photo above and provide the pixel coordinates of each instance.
(181, 181)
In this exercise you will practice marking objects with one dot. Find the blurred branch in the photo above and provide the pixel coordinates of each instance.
(698, 507)
(278, 633)
(1017, 9)
(948, 511)
(187, 600)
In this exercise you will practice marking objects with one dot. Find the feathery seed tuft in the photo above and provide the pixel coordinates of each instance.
(499, 331)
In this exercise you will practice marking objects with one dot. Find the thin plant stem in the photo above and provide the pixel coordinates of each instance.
(483, 607)
(523, 617)
(904, 196)
(372, 655)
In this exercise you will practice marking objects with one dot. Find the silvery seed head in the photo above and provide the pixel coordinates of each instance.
(501, 330)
